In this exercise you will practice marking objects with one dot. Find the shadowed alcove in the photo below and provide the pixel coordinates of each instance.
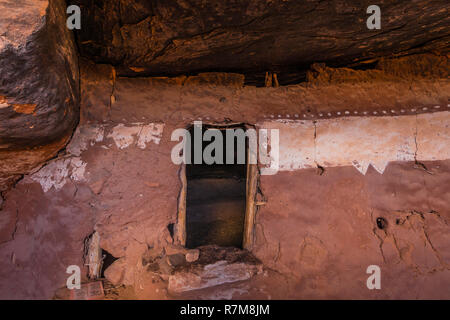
(216, 197)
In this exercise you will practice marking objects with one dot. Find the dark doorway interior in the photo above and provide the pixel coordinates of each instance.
(215, 200)
(108, 259)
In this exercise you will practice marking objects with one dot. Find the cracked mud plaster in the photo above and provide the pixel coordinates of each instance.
(56, 173)
(362, 141)
(71, 167)
(318, 243)
(417, 239)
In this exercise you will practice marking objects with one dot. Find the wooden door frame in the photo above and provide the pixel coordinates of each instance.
(250, 206)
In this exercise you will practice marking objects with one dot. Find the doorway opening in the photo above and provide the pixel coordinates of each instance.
(217, 200)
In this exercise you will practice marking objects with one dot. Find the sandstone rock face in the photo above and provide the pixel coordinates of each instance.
(116, 272)
(178, 37)
(212, 275)
(39, 85)
(192, 255)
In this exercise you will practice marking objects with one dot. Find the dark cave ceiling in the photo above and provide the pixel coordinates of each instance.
(171, 37)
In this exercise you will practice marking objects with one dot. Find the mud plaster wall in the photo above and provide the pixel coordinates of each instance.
(316, 232)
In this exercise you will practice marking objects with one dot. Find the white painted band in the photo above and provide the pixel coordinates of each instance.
(362, 141)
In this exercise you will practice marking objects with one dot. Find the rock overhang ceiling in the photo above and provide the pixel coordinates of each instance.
(39, 85)
(143, 37)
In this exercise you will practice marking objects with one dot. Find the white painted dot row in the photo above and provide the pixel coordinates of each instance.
(340, 113)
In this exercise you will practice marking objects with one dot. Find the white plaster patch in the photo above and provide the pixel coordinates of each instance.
(125, 136)
(296, 145)
(433, 136)
(150, 133)
(84, 137)
(362, 141)
(78, 169)
(56, 173)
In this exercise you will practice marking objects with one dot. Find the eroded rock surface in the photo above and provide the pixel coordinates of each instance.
(178, 37)
(211, 275)
(39, 85)
(400, 85)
